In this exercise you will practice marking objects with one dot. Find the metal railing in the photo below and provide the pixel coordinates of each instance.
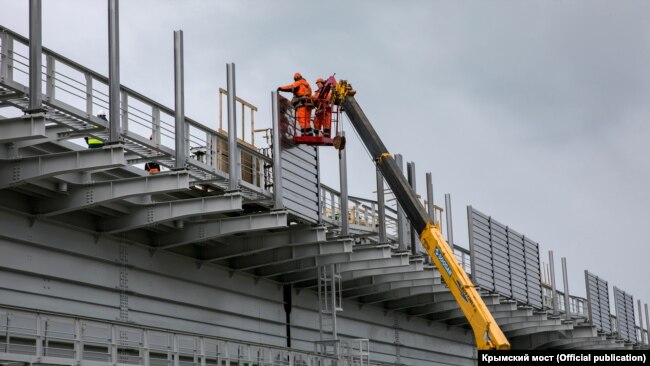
(47, 338)
(74, 95)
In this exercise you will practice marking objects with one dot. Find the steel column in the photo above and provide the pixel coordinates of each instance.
(179, 99)
(450, 226)
(381, 207)
(35, 60)
(565, 279)
(277, 160)
(554, 299)
(410, 172)
(114, 70)
(233, 171)
(430, 205)
(343, 173)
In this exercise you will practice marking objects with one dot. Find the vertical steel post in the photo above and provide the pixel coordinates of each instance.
(647, 324)
(450, 227)
(565, 279)
(343, 173)
(277, 160)
(554, 298)
(179, 101)
(35, 54)
(114, 70)
(430, 205)
(401, 216)
(410, 173)
(638, 302)
(381, 207)
(233, 171)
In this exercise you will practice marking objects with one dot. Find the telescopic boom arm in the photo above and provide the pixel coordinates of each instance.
(487, 333)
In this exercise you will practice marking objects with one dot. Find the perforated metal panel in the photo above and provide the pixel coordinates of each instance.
(504, 261)
(598, 302)
(624, 304)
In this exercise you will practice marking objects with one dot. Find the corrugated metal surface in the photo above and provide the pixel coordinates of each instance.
(624, 304)
(503, 260)
(598, 302)
(300, 181)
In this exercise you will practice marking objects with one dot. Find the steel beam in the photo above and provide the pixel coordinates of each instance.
(114, 69)
(392, 277)
(343, 178)
(439, 293)
(435, 308)
(289, 254)
(277, 160)
(27, 127)
(415, 265)
(238, 246)
(208, 230)
(157, 213)
(383, 265)
(98, 193)
(181, 128)
(19, 171)
(375, 253)
(396, 294)
(35, 57)
(233, 151)
(386, 287)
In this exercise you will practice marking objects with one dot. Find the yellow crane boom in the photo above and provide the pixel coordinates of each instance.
(487, 333)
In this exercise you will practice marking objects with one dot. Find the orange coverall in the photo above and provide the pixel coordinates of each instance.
(323, 116)
(301, 101)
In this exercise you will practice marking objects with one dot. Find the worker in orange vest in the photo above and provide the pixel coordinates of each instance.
(301, 101)
(323, 116)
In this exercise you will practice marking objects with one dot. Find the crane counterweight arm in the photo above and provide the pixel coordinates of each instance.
(487, 333)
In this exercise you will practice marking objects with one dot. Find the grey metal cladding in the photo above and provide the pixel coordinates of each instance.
(504, 261)
(598, 302)
(624, 304)
(300, 181)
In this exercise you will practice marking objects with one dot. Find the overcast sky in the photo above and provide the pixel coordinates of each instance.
(535, 112)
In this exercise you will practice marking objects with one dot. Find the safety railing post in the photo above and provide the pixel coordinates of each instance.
(6, 70)
(179, 105)
(565, 280)
(430, 204)
(410, 171)
(233, 151)
(89, 94)
(401, 216)
(114, 70)
(124, 102)
(155, 125)
(277, 160)
(450, 226)
(35, 57)
(50, 80)
(554, 299)
(343, 176)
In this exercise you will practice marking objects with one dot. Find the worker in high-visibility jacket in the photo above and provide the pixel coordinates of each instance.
(301, 102)
(94, 142)
(323, 117)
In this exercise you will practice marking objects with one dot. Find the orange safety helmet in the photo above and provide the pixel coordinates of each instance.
(320, 80)
(297, 76)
